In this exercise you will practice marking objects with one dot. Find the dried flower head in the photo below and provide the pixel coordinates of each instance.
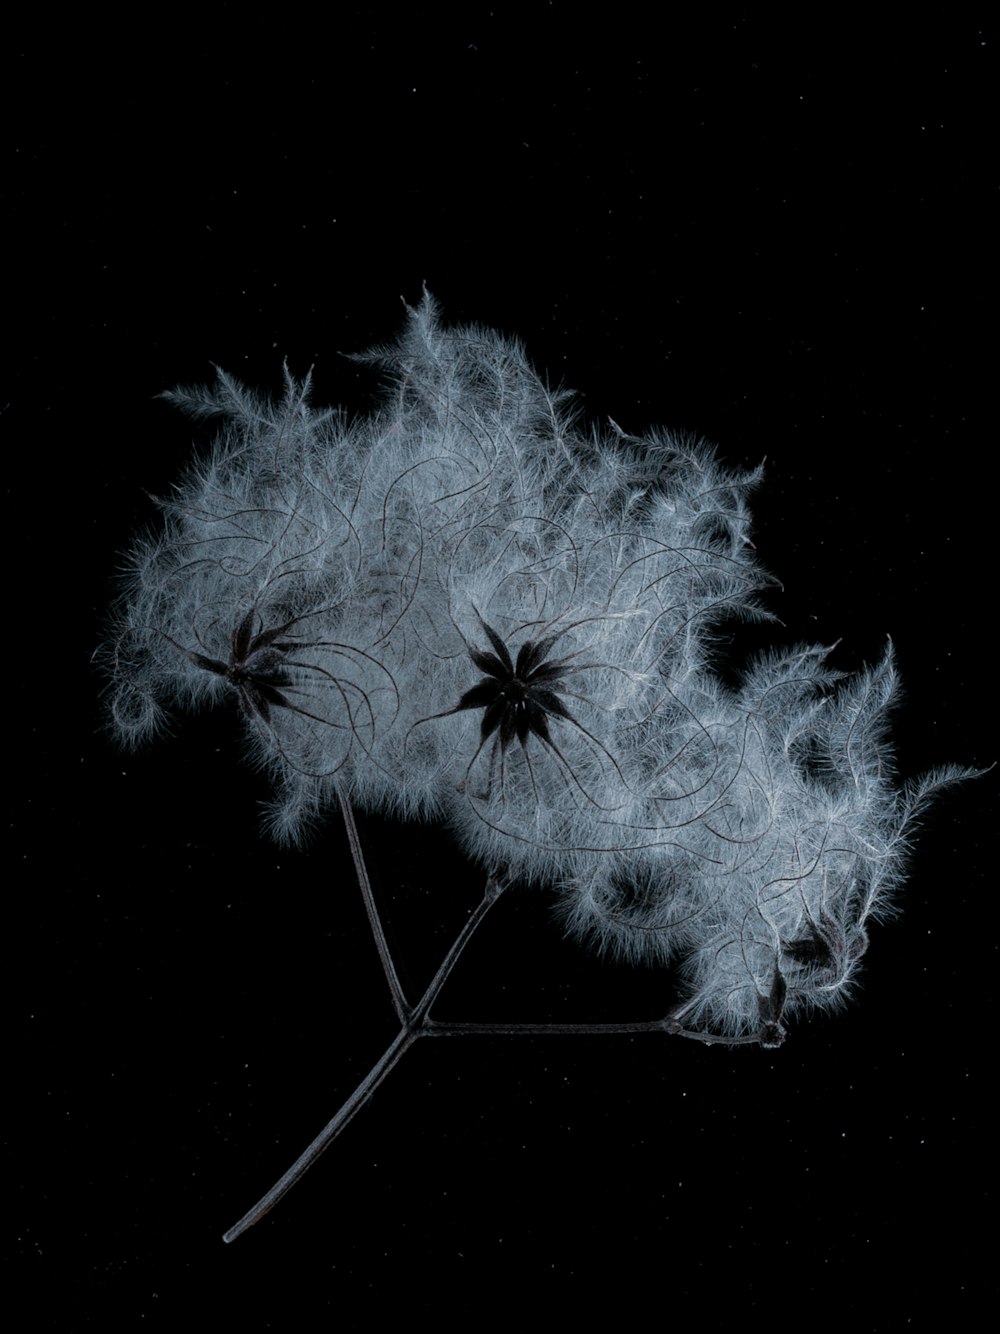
(335, 580)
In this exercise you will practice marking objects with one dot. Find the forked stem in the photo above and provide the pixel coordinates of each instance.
(417, 1023)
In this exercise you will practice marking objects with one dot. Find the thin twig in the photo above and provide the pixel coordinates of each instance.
(399, 1001)
(401, 1044)
(416, 1024)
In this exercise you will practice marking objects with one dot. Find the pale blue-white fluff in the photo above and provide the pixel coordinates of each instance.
(335, 577)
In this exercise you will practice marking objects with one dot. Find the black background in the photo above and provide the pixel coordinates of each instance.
(771, 234)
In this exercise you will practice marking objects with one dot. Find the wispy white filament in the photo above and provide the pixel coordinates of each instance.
(335, 577)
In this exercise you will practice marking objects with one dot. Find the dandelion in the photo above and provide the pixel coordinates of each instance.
(464, 609)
